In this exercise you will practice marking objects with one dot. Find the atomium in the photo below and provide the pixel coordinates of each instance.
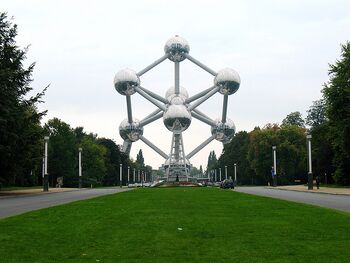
(177, 108)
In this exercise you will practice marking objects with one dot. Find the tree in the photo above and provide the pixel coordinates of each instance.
(337, 98)
(63, 151)
(20, 131)
(294, 118)
(316, 115)
(140, 160)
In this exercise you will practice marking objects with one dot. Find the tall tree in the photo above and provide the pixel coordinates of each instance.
(294, 118)
(20, 132)
(140, 160)
(337, 96)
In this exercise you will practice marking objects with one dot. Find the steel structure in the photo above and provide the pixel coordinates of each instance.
(176, 108)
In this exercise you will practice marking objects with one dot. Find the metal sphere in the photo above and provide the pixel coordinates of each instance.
(223, 132)
(170, 93)
(130, 131)
(125, 81)
(228, 80)
(177, 118)
(176, 47)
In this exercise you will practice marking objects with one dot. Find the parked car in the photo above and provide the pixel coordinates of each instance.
(227, 184)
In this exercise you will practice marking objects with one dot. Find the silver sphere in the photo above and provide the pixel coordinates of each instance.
(125, 81)
(228, 80)
(170, 93)
(176, 47)
(223, 132)
(177, 118)
(130, 131)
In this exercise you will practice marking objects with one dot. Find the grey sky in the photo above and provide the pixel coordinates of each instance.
(281, 49)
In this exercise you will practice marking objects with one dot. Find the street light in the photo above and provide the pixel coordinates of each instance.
(274, 174)
(80, 169)
(220, 174)
(225, 171)
(46, 179)
(235, 165)
(128, 174)
(309, 176)
(121, 175)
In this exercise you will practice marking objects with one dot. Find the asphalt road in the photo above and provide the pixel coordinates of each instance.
(21, 204)
(339, 202)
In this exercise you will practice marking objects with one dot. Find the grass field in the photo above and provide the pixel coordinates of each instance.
(177, 225)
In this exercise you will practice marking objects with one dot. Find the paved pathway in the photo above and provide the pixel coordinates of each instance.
(20, 204)
(340, 202)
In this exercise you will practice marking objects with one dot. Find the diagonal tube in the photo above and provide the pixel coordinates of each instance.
(199, 95)
(126, 147)
(154, 95)
(155, 63)
(151, 114)
(128, 104)
(204, 98)
(224, 109)
(203, 115)
(145, 121)
(155, 148)
(150, 99)
(203, 119)
(199, 64)
(200, 147)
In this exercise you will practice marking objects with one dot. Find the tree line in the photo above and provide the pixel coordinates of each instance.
(21, 132)
(328, 121)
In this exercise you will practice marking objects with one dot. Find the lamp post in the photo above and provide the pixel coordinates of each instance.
(46, 179)
(133, 177)
(80, 169)
(128, 174)
(235, 173)
(216, 177)
(309, 175)
(220, 174)
(121, 175)
(225, 171)
(274, 174)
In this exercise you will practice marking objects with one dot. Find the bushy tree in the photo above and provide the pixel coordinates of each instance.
(337, 97)
(20, 131)
(294, 118)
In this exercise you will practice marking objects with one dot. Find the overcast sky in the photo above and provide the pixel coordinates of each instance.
(281, 49)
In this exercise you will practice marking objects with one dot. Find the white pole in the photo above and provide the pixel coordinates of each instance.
(216, 178)
(220, 174)
(133, 177)
(225, 171)
(310, 158)
(235, 172)
(46, 155)
(80, 170)
(274, 160)
(128, 174)
(121, 175)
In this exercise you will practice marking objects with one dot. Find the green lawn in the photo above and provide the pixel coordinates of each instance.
(177, 225)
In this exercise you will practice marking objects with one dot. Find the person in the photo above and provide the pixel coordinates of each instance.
(273, 176)
(317, 182)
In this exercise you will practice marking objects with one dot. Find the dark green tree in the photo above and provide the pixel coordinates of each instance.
(20, 131)
(337, 97)
(294, 118)
(140, 160)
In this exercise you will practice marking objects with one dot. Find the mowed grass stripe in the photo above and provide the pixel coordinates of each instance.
(143, 226)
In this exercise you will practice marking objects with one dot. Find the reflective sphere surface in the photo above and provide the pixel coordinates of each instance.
(176, 47)
(223, 132)
(130, 131)
(125, 81)
(228, 80)
(170, 93)
(177, 118)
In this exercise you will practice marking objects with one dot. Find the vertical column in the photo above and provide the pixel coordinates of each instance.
(309, 175)
(128, 174)
(121, 175)
(274, 173)
(46, 179)
(235, 173)
(225, 171)
(177, 78)
(80, 170)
